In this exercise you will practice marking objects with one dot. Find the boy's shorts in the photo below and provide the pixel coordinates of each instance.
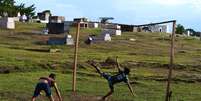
(108, 77)
(42, 86)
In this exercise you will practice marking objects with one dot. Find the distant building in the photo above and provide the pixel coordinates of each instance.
(80, 20)
(151, 28)
(83, 22)
(93, 24)
(127, 28)
(44, 16)
(158, 28)
(136, 28)
(110, 26)
(56, 19)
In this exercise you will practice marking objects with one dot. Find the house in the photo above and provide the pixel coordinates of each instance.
(158, 28)
(110, 26)
(93, 24)
(7, 23)
(80, 19)
(144, 29)
(84, 25)
(44, 16)
(127, 28)
(138, 28)
(56, 19)
(83, 22)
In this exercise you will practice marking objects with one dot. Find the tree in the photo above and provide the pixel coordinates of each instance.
(9, 7)
(180, 29)
(29, 11)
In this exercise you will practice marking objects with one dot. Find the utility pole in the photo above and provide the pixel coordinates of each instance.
(168, 91)
(75, 58)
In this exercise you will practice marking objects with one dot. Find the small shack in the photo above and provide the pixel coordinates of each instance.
(7, 23)
(93, 24)
(80, 19)
(83, 22)
(128, 28)
(111, 26)
(56, 19)
(158, 28)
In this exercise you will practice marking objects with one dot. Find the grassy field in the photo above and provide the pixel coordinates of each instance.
(24, 57)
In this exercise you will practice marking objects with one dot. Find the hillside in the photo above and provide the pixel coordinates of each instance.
(24, 57)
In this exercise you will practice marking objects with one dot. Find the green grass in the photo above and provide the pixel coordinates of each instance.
(148, 56)
(20, 86)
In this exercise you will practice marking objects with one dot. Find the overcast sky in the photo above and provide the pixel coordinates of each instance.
(186, 12)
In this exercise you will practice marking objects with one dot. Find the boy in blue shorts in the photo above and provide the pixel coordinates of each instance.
(45, 84)
(122, 76)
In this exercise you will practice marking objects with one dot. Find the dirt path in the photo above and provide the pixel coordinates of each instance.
(86, 98)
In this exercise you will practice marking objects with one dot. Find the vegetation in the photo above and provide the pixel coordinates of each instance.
(24, 57)
(9, 8)
(180, 29)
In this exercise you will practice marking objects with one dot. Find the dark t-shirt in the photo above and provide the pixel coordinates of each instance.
(50, 81)
(121, 76)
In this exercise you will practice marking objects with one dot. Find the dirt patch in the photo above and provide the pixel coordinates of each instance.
(85, 98)
(17, 96)
(38, 50)
(188, 67)
(88, 98)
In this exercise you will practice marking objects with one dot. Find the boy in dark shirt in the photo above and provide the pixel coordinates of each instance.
(45, 84)
(122, 76)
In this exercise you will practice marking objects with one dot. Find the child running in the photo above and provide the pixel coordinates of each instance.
(122, 76)
(45, 84)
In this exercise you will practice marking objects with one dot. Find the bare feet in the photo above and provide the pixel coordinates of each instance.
(104, 99)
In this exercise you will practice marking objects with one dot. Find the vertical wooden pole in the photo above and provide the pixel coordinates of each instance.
(75, 57)
(168, 92)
